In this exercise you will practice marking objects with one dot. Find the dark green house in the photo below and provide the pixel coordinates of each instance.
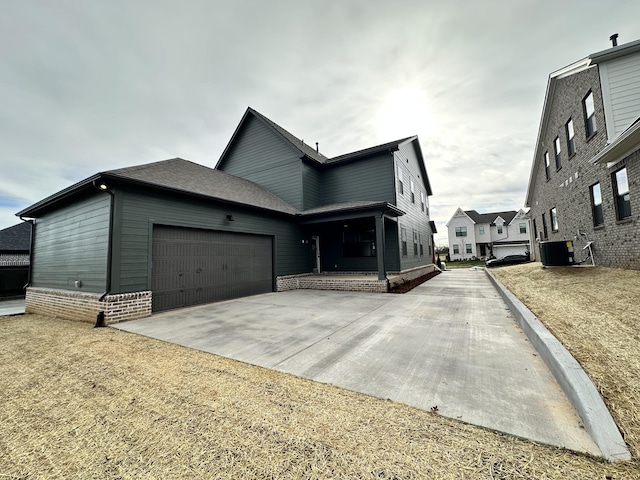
(274, 214)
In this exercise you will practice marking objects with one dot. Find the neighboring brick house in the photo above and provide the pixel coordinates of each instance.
(488, 235)
(14, 258)
(585, 178)
(273, 212)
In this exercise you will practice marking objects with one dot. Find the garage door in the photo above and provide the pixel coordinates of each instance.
(192, 266)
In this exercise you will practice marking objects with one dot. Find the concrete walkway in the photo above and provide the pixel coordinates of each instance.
(11, 307)
(450, 343)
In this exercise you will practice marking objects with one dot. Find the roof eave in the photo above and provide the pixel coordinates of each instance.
(623, 146)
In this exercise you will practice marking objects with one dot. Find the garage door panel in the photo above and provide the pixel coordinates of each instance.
(192, 266)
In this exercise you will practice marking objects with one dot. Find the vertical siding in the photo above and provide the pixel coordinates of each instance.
(261, 156)
(312, 188)
(71, 244)
(139, 210)
(415, 219)
(621, 93)
(367, 179)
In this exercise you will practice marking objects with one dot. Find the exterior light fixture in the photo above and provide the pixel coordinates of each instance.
(230, 218)
(103, 186)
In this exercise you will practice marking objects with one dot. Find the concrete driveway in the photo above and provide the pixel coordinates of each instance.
(450, 343)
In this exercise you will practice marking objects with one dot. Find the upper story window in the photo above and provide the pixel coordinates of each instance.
(413, 192)
(596, 205)
(571, 146)
(589, 115)
(523, 227)
(553, 213)
(481, 230)
(621, 192)
(546, 165)
(499, 228)
(461, 231)
(400, 182)
(557, 151)
(422, 200)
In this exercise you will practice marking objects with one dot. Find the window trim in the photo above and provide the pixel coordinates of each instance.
(557, 150)
(413, 191)
(400, 181)
(461, 231)
(468, 249)
(553, 216)
(590, 122)
(618, 197)
(594, 206)
(403, 241)
(521, 226)
(546, 165)
(571, 140)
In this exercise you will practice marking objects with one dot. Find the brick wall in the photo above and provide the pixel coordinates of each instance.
(615, 244)
(86, 306)
(345, 282)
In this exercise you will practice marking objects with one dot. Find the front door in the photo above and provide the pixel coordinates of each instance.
(315, 247)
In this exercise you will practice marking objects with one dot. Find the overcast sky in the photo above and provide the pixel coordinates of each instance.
(88, 86)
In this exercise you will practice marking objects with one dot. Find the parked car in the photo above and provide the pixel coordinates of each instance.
(507, 260)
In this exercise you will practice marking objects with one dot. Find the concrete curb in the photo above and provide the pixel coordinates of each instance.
(578, 387)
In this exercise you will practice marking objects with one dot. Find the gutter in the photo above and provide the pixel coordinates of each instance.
(31, 242)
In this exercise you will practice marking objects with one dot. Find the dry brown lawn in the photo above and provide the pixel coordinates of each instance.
(79, 402)
(595, 313)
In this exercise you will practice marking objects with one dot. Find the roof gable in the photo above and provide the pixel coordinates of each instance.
(302, 149)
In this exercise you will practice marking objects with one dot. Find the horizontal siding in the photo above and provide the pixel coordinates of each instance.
(261, 156)
(71, 244)
(312, 187)
(622, 76)
(415, 219)
(139, 210)
(368, 179)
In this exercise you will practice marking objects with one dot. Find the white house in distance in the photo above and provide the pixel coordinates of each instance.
(486, 235)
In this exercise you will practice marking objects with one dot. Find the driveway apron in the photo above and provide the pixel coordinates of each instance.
(450, 345)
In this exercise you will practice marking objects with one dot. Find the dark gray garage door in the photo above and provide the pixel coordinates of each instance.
(192, 266)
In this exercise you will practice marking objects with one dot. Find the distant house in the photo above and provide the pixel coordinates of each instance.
(585, 177)
(486, 235)
(14, 258)
(272, 213)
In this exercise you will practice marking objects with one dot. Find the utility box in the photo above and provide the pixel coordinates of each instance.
(556, 254)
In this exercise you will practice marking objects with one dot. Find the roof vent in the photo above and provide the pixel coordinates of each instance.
(614, 39)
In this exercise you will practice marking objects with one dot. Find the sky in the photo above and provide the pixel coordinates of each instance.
(90, 85)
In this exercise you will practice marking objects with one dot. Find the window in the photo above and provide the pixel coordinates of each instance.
(499, 228)
(422, 200)
(553, 213)
(535, 229)
(421, 245)
(403, 238)
(413, 192)
(590, 125)
(621, 192)
(456, 249)
(358, 242)
(469, 248)
(523, 227)
(481, 230)
(546, 165)
(415, 244)
(571, 147)
(545, 234)
(596, 205)
(400, 182)
(557, 150)
(461, 231)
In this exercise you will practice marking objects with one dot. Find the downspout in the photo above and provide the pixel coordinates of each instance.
(100, 322)
(32, 221)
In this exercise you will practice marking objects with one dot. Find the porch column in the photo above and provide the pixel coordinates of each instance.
(382, 274)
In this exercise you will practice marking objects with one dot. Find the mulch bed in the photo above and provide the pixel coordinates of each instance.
(408, 286)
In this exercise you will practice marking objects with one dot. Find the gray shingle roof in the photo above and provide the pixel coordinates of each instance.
(369, 151)
(16, 238)
(490, 217)
(192, 178)
(351, 206)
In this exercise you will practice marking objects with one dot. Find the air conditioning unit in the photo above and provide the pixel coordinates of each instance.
(557, 254)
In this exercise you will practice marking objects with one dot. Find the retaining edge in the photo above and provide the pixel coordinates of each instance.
(573, 380)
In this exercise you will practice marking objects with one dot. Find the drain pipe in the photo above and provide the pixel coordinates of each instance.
(32, 221)
(103, 187)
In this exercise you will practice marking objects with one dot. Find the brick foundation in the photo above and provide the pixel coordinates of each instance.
(86, 306)
(344, 282)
